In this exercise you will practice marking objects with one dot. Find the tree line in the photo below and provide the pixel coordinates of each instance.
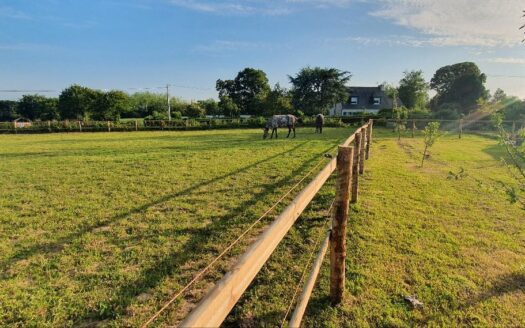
(459, 90)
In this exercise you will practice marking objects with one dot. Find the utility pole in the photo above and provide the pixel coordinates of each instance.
(168, 99)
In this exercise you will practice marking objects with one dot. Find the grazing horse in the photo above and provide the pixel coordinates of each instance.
(280, 121)
(319, 122)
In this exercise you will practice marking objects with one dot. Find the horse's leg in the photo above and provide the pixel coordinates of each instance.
(273, 130)
(289, 130)
(293, 127)
(276, 136)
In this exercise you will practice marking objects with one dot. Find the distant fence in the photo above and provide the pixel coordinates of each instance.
(146, 125)
(349, 163)
(477, 125)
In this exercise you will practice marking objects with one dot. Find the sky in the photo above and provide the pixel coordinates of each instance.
(142, 45)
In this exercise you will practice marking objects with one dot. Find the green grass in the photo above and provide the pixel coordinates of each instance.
(101, 229)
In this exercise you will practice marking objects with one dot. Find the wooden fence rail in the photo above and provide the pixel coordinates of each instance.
(217, 304)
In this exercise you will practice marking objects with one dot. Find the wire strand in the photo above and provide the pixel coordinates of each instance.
(307, 265)
(201, 273)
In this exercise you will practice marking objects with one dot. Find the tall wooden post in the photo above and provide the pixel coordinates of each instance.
(413, 127)
(355, 166)
(109, 126)
(460, 128)
(14, 127)
(136, 125)
(369, 137)
(364, 133)
(49, 125)
(80, 126)
(339, 221)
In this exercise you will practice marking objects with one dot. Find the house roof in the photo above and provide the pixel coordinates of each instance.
(365, 98)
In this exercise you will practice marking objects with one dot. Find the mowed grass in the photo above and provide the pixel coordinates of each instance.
(458, 245)
(102, 229)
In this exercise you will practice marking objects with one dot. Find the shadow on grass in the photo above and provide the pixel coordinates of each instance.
(203, 241)
(315, 217)
(497, 152)
(57, 245)
(504, 284)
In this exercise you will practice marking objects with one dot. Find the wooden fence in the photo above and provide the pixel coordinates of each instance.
(218, 303)
(146, 125)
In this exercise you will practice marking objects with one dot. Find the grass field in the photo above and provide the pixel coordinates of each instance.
(101, 229)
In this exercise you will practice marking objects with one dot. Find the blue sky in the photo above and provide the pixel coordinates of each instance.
(137, 44)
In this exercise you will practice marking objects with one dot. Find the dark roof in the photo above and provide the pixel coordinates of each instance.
(365, 98)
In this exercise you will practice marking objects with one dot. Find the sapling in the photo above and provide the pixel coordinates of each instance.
(430, 134)
(513, 144)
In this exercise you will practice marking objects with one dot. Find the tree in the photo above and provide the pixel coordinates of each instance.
(210, 106)
(248, 90)
(515, 158)
(398, 113)
(413, 90)
(110, 105)
(462, 84)
(228, 107)
(499, 96)
(36, 107)
(8, 110)
(431, 134)
(315, 90)
(76, 102)
(278, 101)
(144, 104)
(194, 110)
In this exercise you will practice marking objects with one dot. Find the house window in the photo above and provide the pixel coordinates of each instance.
(353, 100)
(377, 101)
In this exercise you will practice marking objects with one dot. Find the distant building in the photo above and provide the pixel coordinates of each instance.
(364, 100)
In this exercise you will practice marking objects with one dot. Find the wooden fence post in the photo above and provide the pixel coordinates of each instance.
(339, 221)
(49, 125)
(355, 167)
(361, 150)
(460, 128)
(136, 125)
(80, 126)
(109, 126)
(413, 127)
(369, 137)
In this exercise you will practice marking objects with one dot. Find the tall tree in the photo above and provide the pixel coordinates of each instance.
(461, 84)
(146, 103)
(76, 102)
(413, 90)
(210, 106)
(194, 110)
(278, 101)
(248, 90)
(36, 107)
(8, 110)
(315, 90)
(110, 105)
(499, 96)
(228, 107)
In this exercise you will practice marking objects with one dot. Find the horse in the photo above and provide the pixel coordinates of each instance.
(319, 122)
(280, 121)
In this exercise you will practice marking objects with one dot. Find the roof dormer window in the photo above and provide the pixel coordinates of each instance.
(377, 100)
(353, 100)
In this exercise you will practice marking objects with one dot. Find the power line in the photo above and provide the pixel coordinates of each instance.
(508, 76)
(131, 88)
(26, 90)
